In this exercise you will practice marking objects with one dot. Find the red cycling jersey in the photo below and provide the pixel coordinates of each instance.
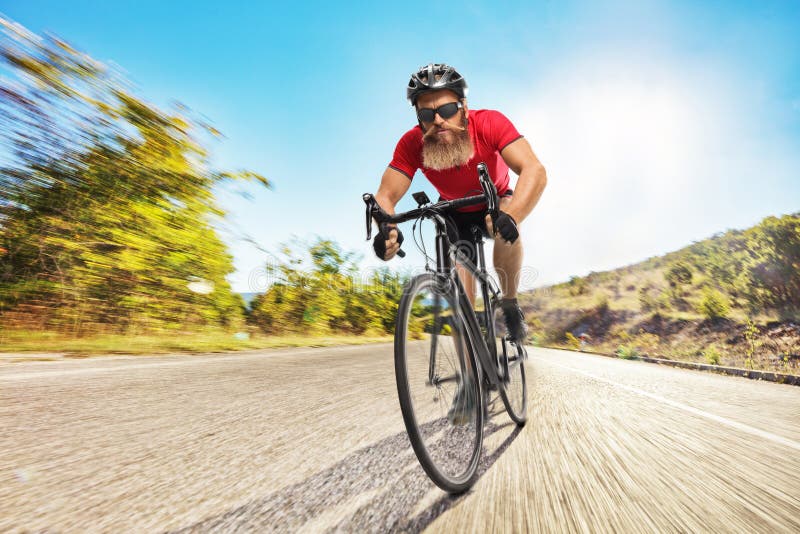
(490, 132)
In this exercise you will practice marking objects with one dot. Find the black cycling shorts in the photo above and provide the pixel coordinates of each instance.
(459, 229)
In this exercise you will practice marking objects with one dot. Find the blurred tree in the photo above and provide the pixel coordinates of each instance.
(774, 269)
(760, 265)
(106, 203)
(316, 289)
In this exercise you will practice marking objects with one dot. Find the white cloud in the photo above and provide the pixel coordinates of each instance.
(642, 158)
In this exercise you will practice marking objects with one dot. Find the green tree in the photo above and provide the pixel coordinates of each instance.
(773, 272)
(106, 206)
(316, 290)
(759, 266)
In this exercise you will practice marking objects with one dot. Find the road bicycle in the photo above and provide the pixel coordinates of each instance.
(448, 355)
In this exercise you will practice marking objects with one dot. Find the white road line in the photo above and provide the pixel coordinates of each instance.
(185, 360)
(685, 407)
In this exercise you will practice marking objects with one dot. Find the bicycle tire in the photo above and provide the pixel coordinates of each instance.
(443, 417)
(514, 390)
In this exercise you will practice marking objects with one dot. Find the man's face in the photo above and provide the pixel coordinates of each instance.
(442, 130)
(446, 142)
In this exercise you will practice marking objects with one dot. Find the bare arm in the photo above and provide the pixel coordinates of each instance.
(394, 185)
(532, 178)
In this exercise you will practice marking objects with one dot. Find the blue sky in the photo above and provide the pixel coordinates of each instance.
(659, 123)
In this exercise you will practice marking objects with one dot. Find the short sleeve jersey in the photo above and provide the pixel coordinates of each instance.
(490, 131)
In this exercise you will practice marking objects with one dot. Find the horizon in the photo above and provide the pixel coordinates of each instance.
(620, 267)
(637, 111)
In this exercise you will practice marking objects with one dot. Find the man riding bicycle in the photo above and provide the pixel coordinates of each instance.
(446, 145)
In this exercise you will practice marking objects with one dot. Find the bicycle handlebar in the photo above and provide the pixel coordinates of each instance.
(383, 219)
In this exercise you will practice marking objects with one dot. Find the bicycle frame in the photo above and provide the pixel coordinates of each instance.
(446, 276)
(450, 280)
(438, 301)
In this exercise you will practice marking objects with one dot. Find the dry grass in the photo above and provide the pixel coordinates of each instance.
(190, 342)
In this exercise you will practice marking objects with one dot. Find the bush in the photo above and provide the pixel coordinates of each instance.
(646, 302)
(646, 342)
(573, 342)
(714, 305)
(664, 301)
(712, 355)
(619, 332)
(577, 286)
(601, 303)
(678, 274)
(751, 336)
(534, 323)
(627, 352)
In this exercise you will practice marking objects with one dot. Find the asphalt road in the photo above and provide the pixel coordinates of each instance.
(311, 440)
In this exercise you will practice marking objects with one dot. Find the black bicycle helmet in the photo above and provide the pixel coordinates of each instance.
(433, 77)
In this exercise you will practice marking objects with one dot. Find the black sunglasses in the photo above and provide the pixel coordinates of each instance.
(446, 111)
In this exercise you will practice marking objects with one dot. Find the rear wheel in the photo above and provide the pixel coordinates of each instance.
(440, 396)
(511, 363)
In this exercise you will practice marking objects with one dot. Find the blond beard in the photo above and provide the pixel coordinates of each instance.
(441, 156)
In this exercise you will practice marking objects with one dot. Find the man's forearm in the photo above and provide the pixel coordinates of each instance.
(530, 185)
(385, 202)
(394, 185)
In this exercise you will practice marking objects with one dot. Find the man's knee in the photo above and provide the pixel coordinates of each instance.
(508, 261)
(506, 249)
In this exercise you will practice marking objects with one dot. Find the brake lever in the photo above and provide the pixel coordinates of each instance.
(489, 189)
(374, 208)
(369, 200)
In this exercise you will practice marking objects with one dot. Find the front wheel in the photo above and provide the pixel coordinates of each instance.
(440, 395)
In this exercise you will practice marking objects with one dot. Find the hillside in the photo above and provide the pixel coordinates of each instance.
(731, 299)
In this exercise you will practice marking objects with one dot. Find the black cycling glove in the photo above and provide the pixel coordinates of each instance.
(506, 226)
(379, 243)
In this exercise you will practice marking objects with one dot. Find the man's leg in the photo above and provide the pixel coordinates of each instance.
(508, 264)
(468, 282)
(508, 261)
(463, 235)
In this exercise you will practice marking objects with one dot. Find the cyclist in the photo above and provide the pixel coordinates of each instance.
(446, 145)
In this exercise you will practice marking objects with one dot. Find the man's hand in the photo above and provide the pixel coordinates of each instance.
(384, 248)
(505, 225)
